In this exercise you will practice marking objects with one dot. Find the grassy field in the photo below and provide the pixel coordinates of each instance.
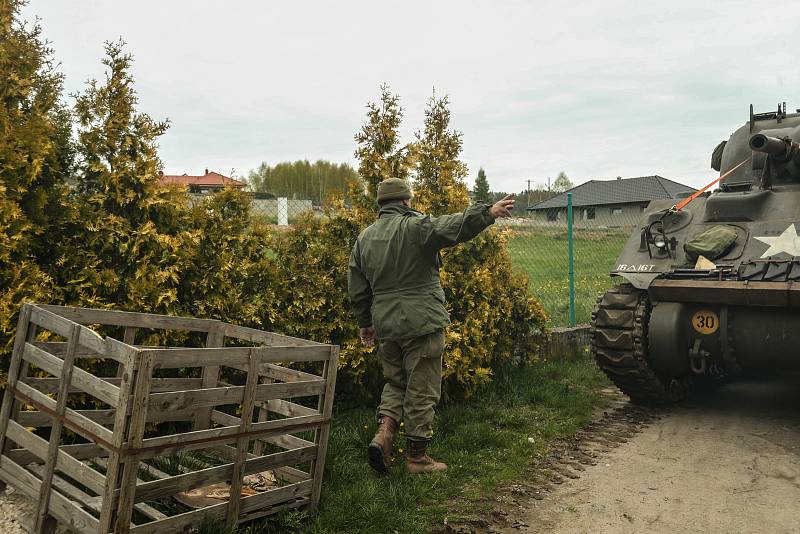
(486, 441)
(542, 253)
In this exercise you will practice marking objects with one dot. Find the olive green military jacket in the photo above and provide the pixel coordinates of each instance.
(393, 279)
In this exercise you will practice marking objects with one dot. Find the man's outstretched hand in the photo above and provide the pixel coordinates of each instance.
(367, 336)
(503, 207)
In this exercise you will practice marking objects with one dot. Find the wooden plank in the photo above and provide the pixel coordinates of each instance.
(43, 316)
(86, 382)
(216, 436)
(290, 409)
(138, 420)
(14, 371)
(261, 336)
(65, 463)
(214, 339)
(159, 385)
(322, 433)
(81, 451)
(129, 338)
(257, 514)
(103, 417)
(66, 371)
(286, 473)
(179, 523)
(199, 398)
(278, 372)
(128, 357)
(67, 512)
(73, 420)
(155, 489)
(277, 354)
(134, 319)
(248, 405)
(180, 358)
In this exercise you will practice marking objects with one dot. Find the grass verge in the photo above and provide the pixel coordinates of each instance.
(542, 253)
(486, 441)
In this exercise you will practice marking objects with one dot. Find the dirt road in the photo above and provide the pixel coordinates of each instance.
(729, 463)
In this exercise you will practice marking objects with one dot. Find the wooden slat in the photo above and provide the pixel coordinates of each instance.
(208, 438)
(75, 421)
(81, 451)
(159, 385)
(180, 358)
(103, 417)
(148, 491)
(135, 319)
(65, 372)
(199, 398)
(65, 463)
(259, 502)
(260, 336)
(82, 380)
(67, 512)
(290, 409)
(14, 371)
(321, 434)
(214, 339)
(277, 354)
(278, 372)
(248, 405)
(128, 359)
(138, 420)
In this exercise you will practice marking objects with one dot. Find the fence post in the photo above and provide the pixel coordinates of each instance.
(571, 262)
(283, 211)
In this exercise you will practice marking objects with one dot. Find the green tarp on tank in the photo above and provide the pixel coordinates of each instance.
(712, 243)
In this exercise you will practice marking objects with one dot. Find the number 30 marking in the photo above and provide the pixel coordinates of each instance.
(705, 322)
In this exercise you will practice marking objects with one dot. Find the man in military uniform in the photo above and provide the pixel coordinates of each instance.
(399, 303)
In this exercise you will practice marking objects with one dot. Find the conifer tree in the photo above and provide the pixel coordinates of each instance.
(133, 231)
(379, 151)
(481, 191)
(35, 153)
(439, 175)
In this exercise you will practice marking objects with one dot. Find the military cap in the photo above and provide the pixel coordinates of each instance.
(393, 189)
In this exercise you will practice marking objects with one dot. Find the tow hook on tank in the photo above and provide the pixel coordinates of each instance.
(698, 358)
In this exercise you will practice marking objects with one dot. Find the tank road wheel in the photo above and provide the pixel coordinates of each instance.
(619, 345)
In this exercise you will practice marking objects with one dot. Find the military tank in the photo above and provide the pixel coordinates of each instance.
(712, 280)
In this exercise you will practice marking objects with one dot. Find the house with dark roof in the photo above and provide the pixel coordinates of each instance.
(608, 202)
(210, 182)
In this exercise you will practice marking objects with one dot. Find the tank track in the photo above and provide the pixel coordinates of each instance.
(619, 345)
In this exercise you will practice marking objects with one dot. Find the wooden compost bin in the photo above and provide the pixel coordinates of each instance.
(170, 419)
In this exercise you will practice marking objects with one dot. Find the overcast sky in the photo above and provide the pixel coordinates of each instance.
(597, 89)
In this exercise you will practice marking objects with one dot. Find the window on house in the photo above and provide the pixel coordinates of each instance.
(552, 215)
(588, 214)
(616, 211)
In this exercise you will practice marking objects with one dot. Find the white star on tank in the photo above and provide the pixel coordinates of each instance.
(788, 242)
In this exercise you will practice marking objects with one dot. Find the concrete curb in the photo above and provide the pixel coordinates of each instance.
(566, 342)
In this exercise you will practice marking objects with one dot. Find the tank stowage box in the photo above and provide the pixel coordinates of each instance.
(712, 283)
(105, 434)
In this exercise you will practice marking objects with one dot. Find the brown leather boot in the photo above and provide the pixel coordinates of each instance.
(418, 461)
(380, 448)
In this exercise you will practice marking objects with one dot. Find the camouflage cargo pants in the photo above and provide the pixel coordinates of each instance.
(413, 372)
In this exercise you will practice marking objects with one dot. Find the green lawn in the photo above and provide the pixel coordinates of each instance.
(542, 253)
(486, 441)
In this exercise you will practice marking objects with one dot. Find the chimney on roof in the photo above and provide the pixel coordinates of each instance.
(206, 171)
(619, 177)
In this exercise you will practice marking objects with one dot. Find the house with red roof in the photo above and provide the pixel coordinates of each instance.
(210, 182)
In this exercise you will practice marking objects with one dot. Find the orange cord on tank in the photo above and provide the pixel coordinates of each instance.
(682, 204)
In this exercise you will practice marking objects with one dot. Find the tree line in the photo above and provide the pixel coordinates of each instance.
(481, 191)
(302, 179)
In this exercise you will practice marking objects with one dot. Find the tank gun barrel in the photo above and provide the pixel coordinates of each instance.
(779, 148)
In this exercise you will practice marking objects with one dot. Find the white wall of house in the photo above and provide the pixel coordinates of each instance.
(611, 215)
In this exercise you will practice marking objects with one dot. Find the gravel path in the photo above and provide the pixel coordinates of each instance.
(15, 509)
(728, 463)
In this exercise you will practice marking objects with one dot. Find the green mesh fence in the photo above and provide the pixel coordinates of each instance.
(539, 248)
